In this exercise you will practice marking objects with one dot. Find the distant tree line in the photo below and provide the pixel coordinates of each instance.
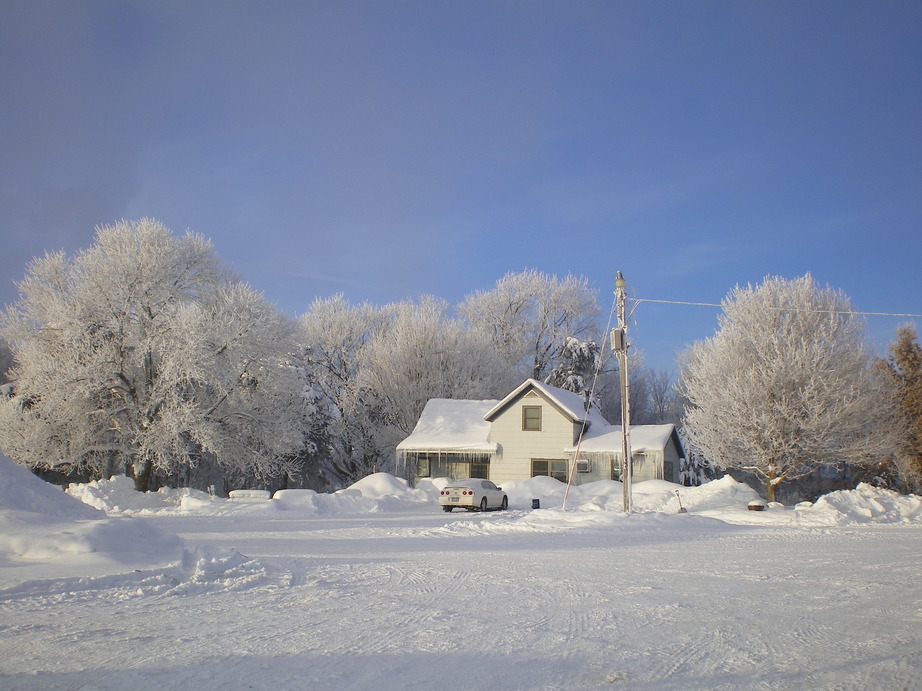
(143, 355)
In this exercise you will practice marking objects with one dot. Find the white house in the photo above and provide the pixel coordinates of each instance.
(536, 430)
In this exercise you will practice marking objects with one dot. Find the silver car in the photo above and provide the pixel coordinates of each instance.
(473, 494)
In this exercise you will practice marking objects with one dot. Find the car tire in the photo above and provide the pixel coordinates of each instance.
(505, 504)
(447, 509)
(483, 504)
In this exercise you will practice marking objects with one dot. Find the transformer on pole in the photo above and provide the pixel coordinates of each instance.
(619, 346)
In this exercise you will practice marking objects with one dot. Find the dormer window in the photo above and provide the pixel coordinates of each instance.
(531, 418)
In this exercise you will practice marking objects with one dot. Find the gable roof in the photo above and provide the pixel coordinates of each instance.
(451, 425)
(570, 405)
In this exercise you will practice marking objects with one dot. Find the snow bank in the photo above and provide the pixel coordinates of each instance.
(648, 496)
(123, 540)
(867, 504)
(372, 494)
(22, 490)
(117, 495)
(39, 524)
(546, 489)
(311, 503)
(724, 499)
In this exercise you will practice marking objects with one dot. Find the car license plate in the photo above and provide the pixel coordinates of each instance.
(456, 498)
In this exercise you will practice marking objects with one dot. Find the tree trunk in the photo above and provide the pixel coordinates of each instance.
(770, 487)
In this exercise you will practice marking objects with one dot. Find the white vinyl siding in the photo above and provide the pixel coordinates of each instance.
(518, 447)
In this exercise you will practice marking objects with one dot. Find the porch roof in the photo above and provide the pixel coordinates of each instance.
(451, 425)
(607, 439)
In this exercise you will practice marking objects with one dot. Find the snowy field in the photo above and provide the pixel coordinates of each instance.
(376, 588)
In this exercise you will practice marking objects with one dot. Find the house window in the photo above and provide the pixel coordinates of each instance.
(480, 467)
(423, 468)
(531, 418)
(548, 467)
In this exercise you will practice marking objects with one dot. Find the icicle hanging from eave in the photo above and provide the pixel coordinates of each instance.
(599, 456)
(466, 455)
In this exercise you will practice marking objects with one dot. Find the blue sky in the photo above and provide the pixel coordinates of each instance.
(387, 150)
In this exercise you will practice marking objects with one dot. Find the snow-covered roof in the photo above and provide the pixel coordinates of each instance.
(570, 404)
(451, 425)
(606, 439)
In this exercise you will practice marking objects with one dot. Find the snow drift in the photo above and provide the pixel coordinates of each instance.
(40, 523)
(867, 504)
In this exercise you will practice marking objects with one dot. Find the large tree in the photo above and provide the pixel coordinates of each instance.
(577, 365)
(904, 365)
(422, 353)
(142, 351)
(333, 335)
(529, 317)
(785, 385)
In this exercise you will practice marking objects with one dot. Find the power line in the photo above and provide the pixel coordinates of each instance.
(637, 301)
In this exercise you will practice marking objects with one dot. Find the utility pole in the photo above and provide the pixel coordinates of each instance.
(619, 346)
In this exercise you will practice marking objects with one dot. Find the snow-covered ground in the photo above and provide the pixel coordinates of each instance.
(376, 588)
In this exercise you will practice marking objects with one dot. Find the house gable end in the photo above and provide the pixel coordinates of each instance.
(531, 389)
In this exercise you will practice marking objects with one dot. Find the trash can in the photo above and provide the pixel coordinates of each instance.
(536, 503)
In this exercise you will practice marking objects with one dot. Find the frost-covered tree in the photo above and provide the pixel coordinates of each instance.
(142, 351)
(424, 353)
(785, 385)
(904, 365)
(333, 335)
(528, 317)
(576, 366)
(6, 361)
